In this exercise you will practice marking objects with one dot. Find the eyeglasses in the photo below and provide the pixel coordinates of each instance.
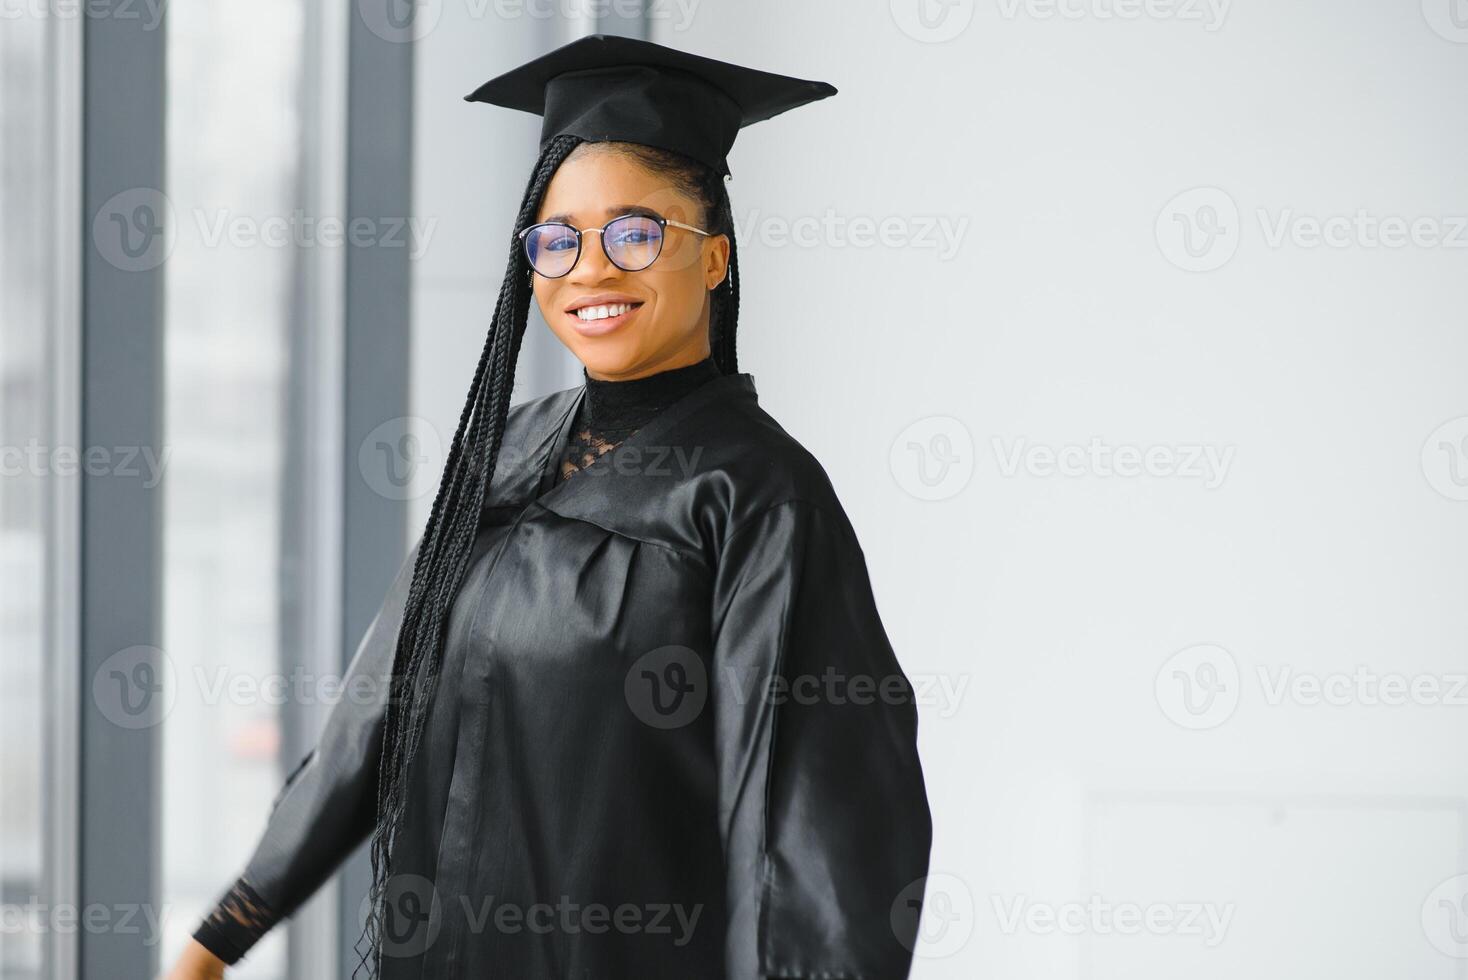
(632, 243)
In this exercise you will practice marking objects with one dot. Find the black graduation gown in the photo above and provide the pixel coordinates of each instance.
(669, 737)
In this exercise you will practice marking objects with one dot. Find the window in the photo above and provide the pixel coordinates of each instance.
(234, 171)
(26, 463)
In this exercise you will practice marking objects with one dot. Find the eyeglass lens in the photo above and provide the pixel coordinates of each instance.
(632, 243)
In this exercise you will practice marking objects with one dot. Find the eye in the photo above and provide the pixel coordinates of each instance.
(634, 236)
(635, 230)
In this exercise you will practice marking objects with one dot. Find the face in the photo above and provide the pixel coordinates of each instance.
(668, 323)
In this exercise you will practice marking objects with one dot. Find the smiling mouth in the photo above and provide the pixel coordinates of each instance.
(590, 314)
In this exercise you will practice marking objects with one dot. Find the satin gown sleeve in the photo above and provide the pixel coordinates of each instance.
(328, 805)
(822, 803)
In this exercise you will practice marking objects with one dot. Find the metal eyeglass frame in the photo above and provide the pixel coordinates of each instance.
(663, 225)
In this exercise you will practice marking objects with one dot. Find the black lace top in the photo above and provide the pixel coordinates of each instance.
(610, 412)
(613, 410)
(236, 924)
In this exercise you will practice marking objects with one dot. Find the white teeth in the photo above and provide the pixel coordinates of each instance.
(602, 312)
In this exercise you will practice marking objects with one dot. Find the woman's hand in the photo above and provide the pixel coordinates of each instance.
(196, 963)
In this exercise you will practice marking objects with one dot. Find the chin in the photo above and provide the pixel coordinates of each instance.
(611, 357)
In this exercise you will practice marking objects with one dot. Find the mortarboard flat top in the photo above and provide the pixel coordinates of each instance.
(603, 87)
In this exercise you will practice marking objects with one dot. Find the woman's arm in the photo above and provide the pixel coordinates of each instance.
(823, 809)
(197, 963)
(326, 808)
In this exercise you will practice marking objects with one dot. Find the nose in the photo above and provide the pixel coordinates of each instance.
(593, 266)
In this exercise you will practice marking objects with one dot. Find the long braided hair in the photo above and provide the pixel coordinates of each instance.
(443, 553)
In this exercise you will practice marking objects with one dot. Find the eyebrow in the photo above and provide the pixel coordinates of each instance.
(615, 211)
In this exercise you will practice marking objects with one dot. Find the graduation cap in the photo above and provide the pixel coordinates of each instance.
(603, 87)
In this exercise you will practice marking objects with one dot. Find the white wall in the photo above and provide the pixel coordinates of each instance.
(1056, 144)
(1323, 539)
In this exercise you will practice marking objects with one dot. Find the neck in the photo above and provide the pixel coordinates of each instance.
(619, 403)
(677, 359)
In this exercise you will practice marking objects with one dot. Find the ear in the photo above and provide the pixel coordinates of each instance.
(715, 261)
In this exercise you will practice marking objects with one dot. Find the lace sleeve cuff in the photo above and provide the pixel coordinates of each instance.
(236, 924)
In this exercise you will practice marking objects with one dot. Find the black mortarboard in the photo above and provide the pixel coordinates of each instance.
(603, 87)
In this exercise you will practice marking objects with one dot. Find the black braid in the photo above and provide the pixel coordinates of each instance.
(725, 326)
(443, 553)
(448, 539)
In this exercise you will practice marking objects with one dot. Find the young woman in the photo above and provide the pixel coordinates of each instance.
(631, 711)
